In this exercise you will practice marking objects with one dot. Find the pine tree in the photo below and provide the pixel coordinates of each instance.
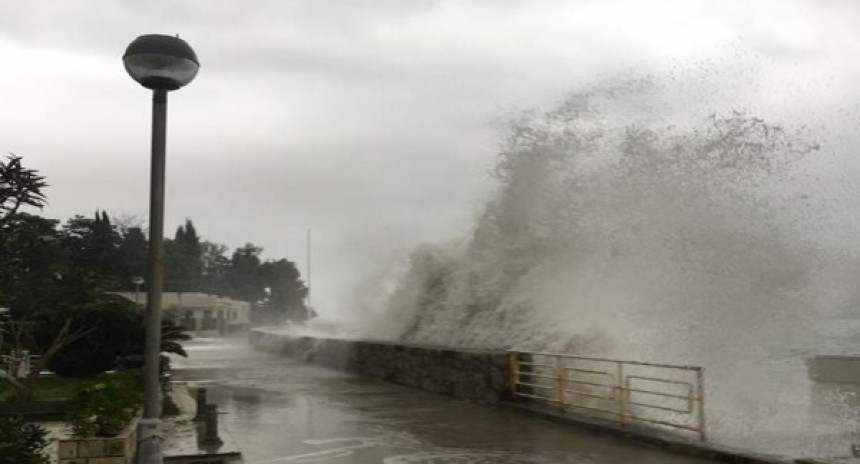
(132, 256)
(92, 246)
(184, 272)
(286, 290)
(245, 274)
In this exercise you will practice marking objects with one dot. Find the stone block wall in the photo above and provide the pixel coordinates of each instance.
(475, 375)
(100, 450)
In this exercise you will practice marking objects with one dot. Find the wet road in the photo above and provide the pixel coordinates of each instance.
(280, 411)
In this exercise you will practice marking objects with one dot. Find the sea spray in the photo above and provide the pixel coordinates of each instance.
(599, 223)
(622, 228)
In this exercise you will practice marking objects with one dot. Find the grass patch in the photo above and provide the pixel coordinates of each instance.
(50, 388)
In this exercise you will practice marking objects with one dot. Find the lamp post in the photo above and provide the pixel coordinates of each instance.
(137, 281)
(161, 63)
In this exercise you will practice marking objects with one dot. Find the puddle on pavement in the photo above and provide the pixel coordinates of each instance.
(280, 411)
(378, 423)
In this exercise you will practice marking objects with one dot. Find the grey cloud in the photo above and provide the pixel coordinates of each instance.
(371, 121)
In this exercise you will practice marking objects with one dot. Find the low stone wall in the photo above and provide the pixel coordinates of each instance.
(474, 375)
(99, 450)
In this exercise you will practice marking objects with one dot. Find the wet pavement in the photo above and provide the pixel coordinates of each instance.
(280, 411)
(185, 438)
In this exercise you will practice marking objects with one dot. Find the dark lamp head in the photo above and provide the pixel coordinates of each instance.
(160, 62)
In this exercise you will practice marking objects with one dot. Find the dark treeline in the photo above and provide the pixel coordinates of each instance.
(56, 281)
(45, 264)
(38, 253)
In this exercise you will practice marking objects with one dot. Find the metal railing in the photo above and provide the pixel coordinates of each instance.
(19, 365)
(624, 391)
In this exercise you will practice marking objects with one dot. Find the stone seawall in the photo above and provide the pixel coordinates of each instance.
(481, 376)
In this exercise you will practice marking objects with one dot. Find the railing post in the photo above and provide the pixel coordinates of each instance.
(513, 360)
(700, 400)
(559, 381)
(622, 394)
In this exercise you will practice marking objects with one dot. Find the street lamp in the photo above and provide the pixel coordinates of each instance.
(137, 281)
(160, 63)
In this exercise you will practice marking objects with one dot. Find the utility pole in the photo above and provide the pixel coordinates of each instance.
(308, 306)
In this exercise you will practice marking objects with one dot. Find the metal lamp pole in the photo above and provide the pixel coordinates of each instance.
(160, 63)
(152, 354)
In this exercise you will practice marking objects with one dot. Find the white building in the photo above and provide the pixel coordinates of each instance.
(200, 313)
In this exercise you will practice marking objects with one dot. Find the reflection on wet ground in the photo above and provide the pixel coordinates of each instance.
(278, 411)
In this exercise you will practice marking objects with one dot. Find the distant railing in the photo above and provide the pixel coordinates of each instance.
(623, 391)
(19, 365)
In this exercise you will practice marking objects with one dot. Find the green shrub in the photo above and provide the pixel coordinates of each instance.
(113, 330)
(116, 339)
(82, 361)
(105, 407)
(22, 443)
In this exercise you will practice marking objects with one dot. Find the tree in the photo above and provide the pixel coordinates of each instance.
(216, 266)
(92, 245)
(64, 336)
(245, 275)
(19, 186)
(131, 256)
(286, 290)
(184, 256)
(29, 259)
(113, 328)
(53, 281)
(172, 337)
(22, 443)
(32, 264)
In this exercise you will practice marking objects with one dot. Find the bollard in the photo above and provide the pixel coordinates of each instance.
(211, 430)
(200, 414)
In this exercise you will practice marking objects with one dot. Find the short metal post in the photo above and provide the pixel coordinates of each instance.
(211, 430)
(200, 414)
(559, 381)
(514, 368)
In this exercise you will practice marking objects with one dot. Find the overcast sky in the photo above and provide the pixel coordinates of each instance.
(372, 122)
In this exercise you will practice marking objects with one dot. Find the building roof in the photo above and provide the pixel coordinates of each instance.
(190, 300)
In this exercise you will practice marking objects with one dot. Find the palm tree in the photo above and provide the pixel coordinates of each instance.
(171, 336)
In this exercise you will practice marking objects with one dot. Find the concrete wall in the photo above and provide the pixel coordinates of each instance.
(481, 376)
